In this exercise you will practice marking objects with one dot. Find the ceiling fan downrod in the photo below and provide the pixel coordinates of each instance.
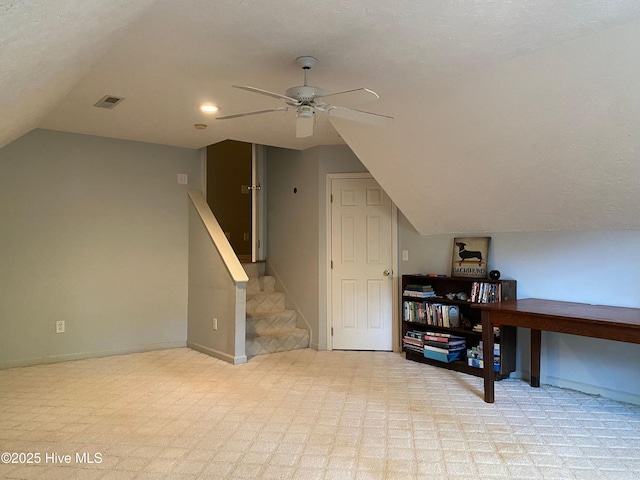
(306, 62)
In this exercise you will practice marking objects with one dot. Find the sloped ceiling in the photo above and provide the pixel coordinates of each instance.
(518, 115)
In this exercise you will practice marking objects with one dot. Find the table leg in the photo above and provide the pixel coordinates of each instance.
(536, 341)
(487, 354)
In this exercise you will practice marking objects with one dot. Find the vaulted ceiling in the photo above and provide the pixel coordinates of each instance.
(519, 115)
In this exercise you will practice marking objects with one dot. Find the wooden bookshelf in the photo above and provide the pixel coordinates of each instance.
(426, 314)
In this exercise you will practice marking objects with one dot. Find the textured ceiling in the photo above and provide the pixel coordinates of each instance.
(474, 86)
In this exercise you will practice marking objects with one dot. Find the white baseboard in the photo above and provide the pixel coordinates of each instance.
(235, 360)
(318, 347)
(101, 353)
(617, 395)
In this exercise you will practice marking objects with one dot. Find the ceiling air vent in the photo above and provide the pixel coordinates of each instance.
(108, 101)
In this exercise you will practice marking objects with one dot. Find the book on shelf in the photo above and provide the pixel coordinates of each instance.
(475, 356)
(478, 329)
(449, 345)
(418, 291)
(443, 335)
(432, 338)
(408, 293)
(443, 357)
(429, 313)
(486, 292)
(445, 350)
(413, 340)
(414, 334)
(419, 288)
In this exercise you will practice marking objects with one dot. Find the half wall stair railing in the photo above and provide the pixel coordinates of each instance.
(216, 318)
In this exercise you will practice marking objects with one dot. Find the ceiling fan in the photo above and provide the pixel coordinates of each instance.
(308, 100)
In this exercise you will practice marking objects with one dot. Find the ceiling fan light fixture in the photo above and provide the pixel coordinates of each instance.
(305, 111)
(208, 108)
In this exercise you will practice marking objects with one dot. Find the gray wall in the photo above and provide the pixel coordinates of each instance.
(297, 226)
(592, 267)
(94, 232)
(589, 267)
(292, 228)
(217, 288)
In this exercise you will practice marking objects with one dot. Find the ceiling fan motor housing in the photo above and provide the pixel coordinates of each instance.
(304, 93)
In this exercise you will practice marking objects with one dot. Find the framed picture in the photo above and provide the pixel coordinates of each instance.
(470, 257)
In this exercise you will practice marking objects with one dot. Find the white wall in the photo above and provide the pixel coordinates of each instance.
(589, 267)
(545, 142)
(95, 233)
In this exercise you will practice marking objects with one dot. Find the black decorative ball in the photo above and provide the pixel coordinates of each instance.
(494, 274)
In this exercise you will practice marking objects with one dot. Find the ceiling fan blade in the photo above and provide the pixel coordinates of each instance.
(257, 112)
(359, 116)
(304, 126)
(357, 94)
(290, 100)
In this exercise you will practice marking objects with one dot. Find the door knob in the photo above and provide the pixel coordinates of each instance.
(386, 273)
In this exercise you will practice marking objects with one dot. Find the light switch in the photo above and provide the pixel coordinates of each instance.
(405, 255)
(183, 178)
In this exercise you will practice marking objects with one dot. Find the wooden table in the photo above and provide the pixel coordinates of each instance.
(598, 321)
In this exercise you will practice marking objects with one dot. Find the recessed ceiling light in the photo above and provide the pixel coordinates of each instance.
(207, 108)
(200, 126)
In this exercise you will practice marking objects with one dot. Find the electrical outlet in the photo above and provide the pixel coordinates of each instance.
(60, 326)
(214, 323)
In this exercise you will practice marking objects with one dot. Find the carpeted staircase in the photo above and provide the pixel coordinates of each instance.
(270, 326)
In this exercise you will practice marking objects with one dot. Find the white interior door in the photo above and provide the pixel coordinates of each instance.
(361, 273)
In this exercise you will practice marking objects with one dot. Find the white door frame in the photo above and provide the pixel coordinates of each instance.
(395, 335)
(258, 208)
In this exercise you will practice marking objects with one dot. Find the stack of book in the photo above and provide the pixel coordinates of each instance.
(443, 347)
(474, 356)
(419, 291)
(413, 340)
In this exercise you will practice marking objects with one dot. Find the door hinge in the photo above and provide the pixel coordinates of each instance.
(332, 331)
(331, 201)
(258, 243)
(331, 264)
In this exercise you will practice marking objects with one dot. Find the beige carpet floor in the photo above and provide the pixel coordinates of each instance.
(179, 414)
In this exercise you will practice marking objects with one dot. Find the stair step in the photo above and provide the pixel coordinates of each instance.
(267, 323)
(254, 270)
(265, 302)
(270, 327)
(281, 341)
(264, 284)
